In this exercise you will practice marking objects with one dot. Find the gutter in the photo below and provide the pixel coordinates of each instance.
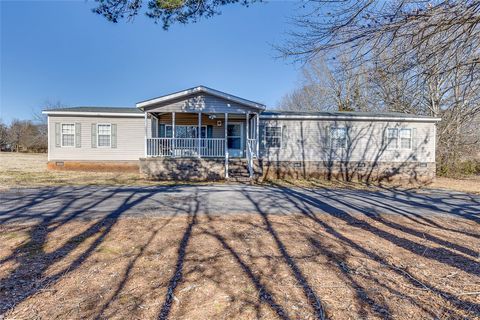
(349, 118)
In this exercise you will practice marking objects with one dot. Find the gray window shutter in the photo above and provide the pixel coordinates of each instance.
(94, 135)
(414, 138)
(114, 136)
(78, 135)
(261, 136)
(327, 137)
(284, 137)
(58, 135)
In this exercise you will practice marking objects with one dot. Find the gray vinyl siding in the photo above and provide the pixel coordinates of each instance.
(130, 142)
(203, 103)
(308, 140)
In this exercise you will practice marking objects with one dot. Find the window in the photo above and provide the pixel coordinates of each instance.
(185, 131)
(399, 138)
(273, 137)
(68, 134)
(104, 134)
(406, 138)
(339, 138)
(392, 136)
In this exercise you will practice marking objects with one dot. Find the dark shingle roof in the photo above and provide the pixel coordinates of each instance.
(99, 109)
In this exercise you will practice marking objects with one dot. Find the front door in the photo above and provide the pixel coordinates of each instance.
(235, 139)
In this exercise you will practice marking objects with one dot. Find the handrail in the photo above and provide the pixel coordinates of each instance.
(185, 147)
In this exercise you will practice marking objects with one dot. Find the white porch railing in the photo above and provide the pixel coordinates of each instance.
(185, 147)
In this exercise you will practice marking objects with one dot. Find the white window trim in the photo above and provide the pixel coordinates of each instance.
(398, 140)
(346, 137)
(98, 135)
(280, 137)
(61, 134)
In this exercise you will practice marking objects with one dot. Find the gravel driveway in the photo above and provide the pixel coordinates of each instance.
(86, 202)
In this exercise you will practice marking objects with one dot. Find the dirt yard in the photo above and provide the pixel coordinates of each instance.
(242, 267)
(26, 170)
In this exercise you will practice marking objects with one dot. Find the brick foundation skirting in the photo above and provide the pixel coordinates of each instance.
(350, 171)
(96, 166)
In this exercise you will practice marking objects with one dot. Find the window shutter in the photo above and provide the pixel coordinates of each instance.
(414, 138)
(94, 135)
(78, 135)
(261, 137)
(209, 131)
(114, 135)
(327, 137)
(58, 135)
(284, 137)
(162, 131)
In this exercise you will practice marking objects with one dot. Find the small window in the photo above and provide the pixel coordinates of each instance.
(339, 138)
(104, 134)
(406, 138)
(68, 134)
(273, 137)
(392, 136)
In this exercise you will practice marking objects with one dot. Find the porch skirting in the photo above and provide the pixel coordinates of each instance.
(96, 165)
(187, 169)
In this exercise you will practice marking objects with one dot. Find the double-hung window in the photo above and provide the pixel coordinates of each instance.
(406, 138)
(338, 137)
(68, 134)
(273, 137)
(104, 134)
(399, 138)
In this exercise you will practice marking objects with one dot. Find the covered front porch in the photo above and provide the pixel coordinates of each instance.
(177, 135)
(198, 125)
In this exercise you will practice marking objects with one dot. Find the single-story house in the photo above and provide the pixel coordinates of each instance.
(205, 134)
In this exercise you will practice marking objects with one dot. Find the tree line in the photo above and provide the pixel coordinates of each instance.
(23, 136)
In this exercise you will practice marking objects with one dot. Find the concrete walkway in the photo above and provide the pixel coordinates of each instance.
(87, 202)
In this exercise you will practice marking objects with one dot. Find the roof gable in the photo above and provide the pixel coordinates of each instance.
(195, 92)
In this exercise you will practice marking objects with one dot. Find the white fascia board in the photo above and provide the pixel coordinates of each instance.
(360, 118)
(184, 93)
(102, 114)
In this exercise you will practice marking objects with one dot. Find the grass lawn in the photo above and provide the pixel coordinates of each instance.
(246, 266)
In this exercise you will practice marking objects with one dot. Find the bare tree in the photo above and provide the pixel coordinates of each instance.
(3, 135)
(340, 87)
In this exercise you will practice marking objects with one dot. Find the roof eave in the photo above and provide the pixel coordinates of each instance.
(351, 118)
(141, 105)
(85, 113)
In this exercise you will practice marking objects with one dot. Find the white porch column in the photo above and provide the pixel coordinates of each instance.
(257, 133)
(173, 135)
(146, 132)
(226, 144)
(199, 134)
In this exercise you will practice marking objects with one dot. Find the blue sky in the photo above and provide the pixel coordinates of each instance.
(61, 51)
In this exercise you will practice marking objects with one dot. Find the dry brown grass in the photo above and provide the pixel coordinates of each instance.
(242, 267)
(28, 170)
